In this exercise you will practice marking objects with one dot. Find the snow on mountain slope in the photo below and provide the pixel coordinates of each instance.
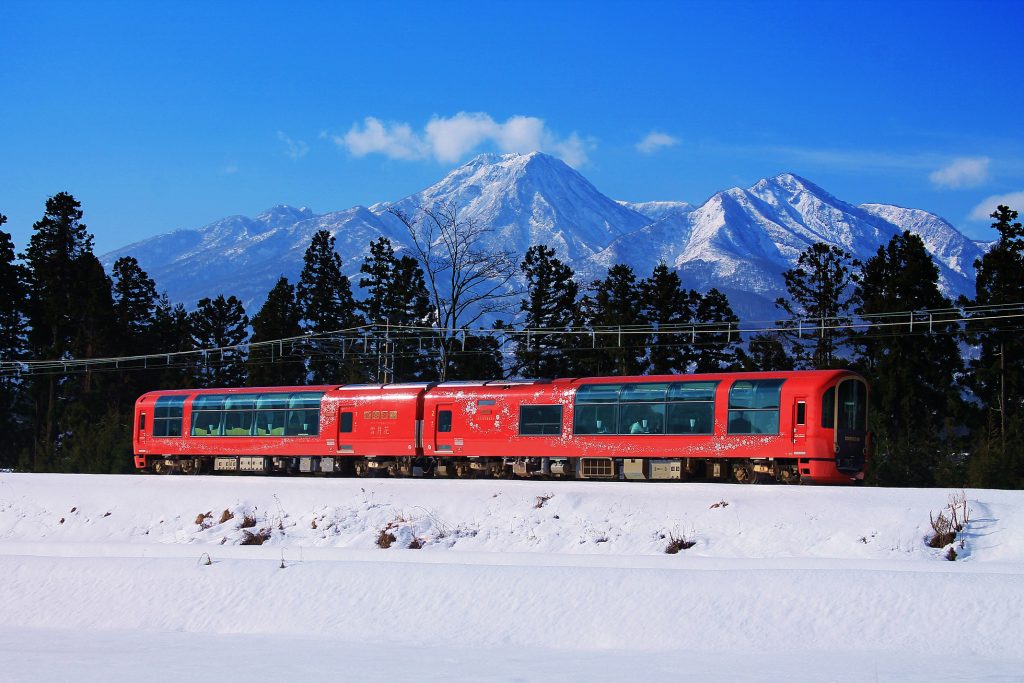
(521, 580)
(739, 240)
(528, 199)
(657, 210)
(742, 240)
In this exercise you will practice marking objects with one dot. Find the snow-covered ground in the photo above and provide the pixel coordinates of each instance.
(107, 578)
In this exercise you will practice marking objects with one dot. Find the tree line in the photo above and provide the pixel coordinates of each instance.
(937, 418)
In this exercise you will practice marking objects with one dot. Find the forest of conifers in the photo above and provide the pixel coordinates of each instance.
(947, 377)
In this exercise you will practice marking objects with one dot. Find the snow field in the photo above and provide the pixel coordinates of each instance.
(574, 571)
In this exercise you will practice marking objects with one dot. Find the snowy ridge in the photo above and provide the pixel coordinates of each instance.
(564, 572)
(739, 240)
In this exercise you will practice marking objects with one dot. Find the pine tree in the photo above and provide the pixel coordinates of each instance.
(718, 345)
(173, 335)
(912, 370)
(550, 307)
(477, 356)
(766, 352)
(219, 327)
(135, 302)
(997, 374)
(819, 293)
(397, 298)
(613, 311)
(325, 297)
(669, 307)
(14, 422)
(280, 318)
(70, 313)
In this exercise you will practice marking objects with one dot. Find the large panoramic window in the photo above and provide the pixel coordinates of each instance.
(754, 406)
(284, 414)
(645, 408)
(167, 415)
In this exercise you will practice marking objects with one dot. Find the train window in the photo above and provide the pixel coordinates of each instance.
(207, 422)
(598, 393)
(647, 392)
(142, 422)
(167, 415)
(801, 413)
(345, 422)
(828, 409)
(303, 422)
(642, 419)
(270, 422)
(596, 419)
(691, 418)
(444, 421)
(754, 406)
(540, 420)
(238, 422)
(305, 399)
(272, 401)
(692, 391)
(852, 405)
(486, 402)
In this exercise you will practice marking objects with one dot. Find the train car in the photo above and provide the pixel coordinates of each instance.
(805, 426)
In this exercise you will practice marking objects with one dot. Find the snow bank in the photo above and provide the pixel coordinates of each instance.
(573, 571)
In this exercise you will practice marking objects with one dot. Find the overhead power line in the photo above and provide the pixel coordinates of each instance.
(372, 341)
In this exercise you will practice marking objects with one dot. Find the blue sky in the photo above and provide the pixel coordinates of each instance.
(167, 116)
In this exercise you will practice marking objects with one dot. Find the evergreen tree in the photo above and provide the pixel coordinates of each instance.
(550, 307)
(477, 356)
(613, 311)
(325, 298)
(718, 346)
(219, 327)
(135, 302)
(13, 409)
(819, 291)
(669, 307)
(280, 318)
(997, 374)
(70, 314)
(397, 298)
(767, 352)
(912, 370)
(173, 335)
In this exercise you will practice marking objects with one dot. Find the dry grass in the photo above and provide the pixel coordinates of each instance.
(248, 522)
(257, 538)
(678, 542)
(542, 500)
(202, 517)
(385, 538)
(719, 504)
(415, 544)
(225, 516)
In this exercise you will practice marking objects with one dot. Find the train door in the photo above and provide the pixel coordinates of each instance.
(143, 429)
(799, 434)
(851, 425)
(346, 428)
(443, 428)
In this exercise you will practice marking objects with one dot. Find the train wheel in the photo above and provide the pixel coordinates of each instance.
(743, 472)
(462, 470)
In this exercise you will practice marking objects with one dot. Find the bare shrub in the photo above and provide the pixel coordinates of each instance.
(678, 542)
(416, 544)
(225, 516)
(248, 522)
(944, 533)
(719, 504)
(542, 500)
(202, 517)
(205, 559)
(385, 538)
(257, 538)
(951, 555)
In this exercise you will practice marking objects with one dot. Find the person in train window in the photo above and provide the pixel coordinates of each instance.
(637, 428)
(740, 424)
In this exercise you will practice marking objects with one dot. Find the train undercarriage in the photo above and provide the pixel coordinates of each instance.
(747, 471)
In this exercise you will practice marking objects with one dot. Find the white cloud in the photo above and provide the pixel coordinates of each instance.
(983, 211)
(294, 149)
(655, 141)
(962, 172)
(450, 139)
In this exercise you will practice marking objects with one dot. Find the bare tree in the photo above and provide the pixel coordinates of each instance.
(466, 280)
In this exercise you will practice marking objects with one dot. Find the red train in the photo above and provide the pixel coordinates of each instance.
(808, 426)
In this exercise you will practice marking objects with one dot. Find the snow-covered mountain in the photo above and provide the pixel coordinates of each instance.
(739, 240)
